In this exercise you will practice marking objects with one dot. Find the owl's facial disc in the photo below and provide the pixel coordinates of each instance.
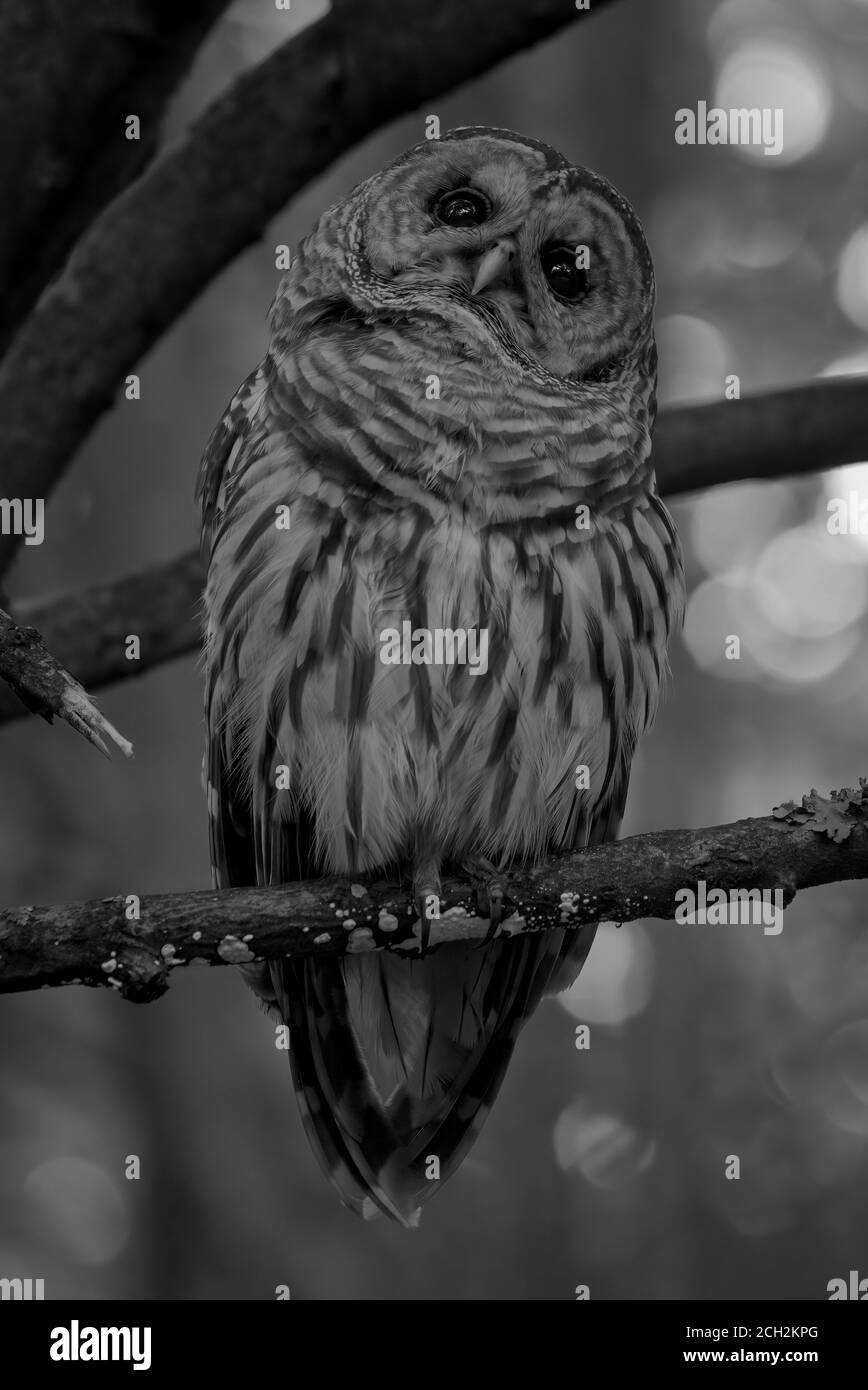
(537, 259)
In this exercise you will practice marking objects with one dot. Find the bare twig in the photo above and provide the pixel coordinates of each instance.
(281, 124)
(48, 689)
(812, 427)
(88, 630)
(133, 944)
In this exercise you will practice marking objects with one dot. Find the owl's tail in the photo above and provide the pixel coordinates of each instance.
(396, 1063)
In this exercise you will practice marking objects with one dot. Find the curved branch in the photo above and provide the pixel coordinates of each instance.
(822, 425)
(71, 74)
(824, 840)
(149, 254)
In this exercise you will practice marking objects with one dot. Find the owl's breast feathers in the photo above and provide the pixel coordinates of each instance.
(367, 483)
(360, 483)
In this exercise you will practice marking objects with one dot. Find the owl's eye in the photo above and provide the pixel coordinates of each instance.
(463, 207)
(566, 279)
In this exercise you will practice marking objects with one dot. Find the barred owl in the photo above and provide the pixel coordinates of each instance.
(454, 419)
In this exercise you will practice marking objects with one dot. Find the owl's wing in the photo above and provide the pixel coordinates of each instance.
(241, 436)
(639, 587)
(582, 832)
(281, 987)
(238, 435)
(644, 607)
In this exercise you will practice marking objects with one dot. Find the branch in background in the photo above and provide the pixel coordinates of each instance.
(71, 75)
(87, 630)
(780, 434)
(823, 425)
(95, 943)
(47, 689)
(151, 252)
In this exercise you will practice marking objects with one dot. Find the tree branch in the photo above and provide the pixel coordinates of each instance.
(46, 688)
(824, 840)
(280, 125)
(822, 425)
(71, 75)
(87, 630)
(779, 434)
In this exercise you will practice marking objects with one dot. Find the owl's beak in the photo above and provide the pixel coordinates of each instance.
(492, 264)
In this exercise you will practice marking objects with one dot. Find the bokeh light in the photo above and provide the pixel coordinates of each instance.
(824, 972)
(806, 586)
(850, 364)
(715, 610)
(618, 980)
(851, 290)
(795, 609)
(604, 1149)
(77, 1208)
(762, 246)
(728, 525)
(732, 19)
(840, 483)
(782, 1158)
(777, 74)
(847, 490)
(693, 358)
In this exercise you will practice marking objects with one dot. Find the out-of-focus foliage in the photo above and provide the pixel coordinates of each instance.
(604, 1166)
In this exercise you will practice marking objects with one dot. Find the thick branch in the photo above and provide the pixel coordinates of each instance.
(47, 688)
(823, 425)
(781, 434)
(71, 75)
(278, 127)
(96, 943)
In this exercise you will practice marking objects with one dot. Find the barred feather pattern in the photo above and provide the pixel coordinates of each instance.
(455, 512)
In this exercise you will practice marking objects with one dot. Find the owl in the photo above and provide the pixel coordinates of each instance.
(446, 446)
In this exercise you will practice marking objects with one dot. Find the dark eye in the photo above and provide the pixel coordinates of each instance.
(564, 276)
(464, 207)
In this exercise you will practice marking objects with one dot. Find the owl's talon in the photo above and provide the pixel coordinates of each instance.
(428, 907)
(490, 888)
(495, 909)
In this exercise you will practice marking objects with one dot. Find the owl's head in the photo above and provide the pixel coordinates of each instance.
(528, 256)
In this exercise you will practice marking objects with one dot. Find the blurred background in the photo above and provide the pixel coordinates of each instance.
(602, 1167)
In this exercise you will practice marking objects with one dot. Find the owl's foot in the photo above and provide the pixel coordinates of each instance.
(426, 892)
(490, 888)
